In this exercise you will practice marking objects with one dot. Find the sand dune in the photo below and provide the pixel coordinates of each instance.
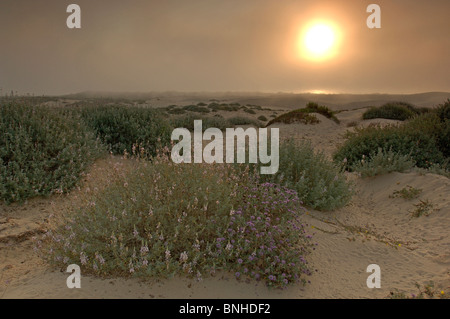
(375, 228)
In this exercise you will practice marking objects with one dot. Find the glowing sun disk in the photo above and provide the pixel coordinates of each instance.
(319, 41)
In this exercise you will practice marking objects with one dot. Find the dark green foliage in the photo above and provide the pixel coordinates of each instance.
(249, 111)
(262, 118)
(176, 111)
(318, 182)
(443, 137)
(42, 150)
(216, 121)
(223, 107)
(400, 111)
(207, 122)
(196, 108)
(424, 137)
(443, 140)
(304, 116)
(313, 107)
(239, 120)
(401, 140)
(121, 127)
(435, 126)
(443, 111)
(294, 116)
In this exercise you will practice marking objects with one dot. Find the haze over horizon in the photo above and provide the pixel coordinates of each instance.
(222, 46)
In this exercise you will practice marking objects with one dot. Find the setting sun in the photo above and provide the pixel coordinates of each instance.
(319, 41)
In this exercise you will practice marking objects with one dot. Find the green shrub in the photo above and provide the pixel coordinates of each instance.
(176, 111)
(382, 163)
(304, 116)
(443, 111)
(169, 219)
(312, 107)
(318, 182)
(42, 150)
(240, 120)
(443, 140)
(439, 169)
(213, 122)
(400, 111)
(427, 123)
(207, 122)
(442, 130)
(121, 127)
(196, 108)
(249, 111)
(262, 118)
(435, 127)
(366, 142)
(216, 122)
(294, 116)
(223, 107)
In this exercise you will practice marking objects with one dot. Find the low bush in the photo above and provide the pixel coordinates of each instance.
(262, 118)
(176, 111)
(366, 142)
(169, 219)
(207, 122)
(304, 115)
(400, 111)
(196, 108)
(443, 111)
(382, 163)
(317, 181)
(43, 150)
(443, 140)
(249, 111)
(241, 120)
(215, 121)
(121, 127)
(293, 117)
(223, 107)
(312, 107)
(442, 130)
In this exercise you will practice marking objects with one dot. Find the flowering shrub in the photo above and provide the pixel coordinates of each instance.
(265, 238)
(166, 219)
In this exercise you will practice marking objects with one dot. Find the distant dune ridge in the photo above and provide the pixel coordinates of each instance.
(285, 100)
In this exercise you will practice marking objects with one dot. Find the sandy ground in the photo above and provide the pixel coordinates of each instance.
(373, 229)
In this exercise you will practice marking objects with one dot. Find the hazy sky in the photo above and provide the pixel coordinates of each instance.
(221, 45)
